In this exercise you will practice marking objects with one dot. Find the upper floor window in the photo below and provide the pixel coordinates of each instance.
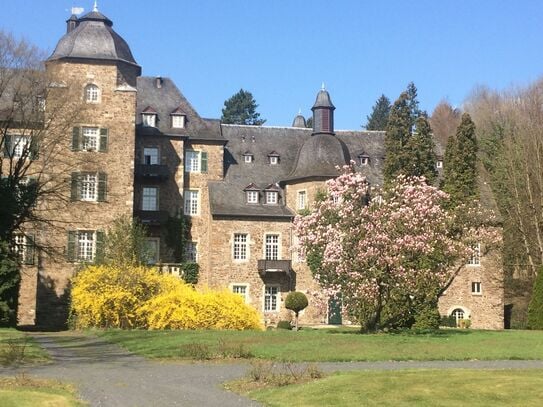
(148, 120)
(273, 158)
(248, 157)
(272, 247)
(20, 146)
(152, 244)
(271, 197)
(191, 252)
(191, 203)
(241, 246)
(88, 186)
(150, 155)
(196, 161)
(302, 200)
(439, 164)
(92, 94)
(475, 259)
(23, 247)
(252, 197)
(178, 121)
(476, 287)
(84, 245)
(364, 159)
(149, 201)
(89, 139)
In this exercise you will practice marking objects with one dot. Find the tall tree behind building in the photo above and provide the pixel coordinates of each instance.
(444, 121)
(421, 156)
(241, 109)
(378, 118)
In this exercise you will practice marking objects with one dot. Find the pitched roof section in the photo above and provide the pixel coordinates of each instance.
(165, 98)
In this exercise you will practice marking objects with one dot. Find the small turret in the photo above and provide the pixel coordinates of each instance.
(71, 23)
(299, 120)
(323, 113)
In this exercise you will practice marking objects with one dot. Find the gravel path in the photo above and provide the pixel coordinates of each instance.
(107, 375)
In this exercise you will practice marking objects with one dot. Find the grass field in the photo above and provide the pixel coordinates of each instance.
(16, 347)
(27, 392)
(412, 388)
(339, 345)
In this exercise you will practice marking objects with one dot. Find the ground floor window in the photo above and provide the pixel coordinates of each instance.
(271, 298)
(241, 290)
(153, 250)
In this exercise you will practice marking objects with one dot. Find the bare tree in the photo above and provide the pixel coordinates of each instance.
(444, 121)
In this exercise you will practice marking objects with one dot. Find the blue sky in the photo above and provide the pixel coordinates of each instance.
(282, 50)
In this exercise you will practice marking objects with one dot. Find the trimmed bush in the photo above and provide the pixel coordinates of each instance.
(535, 309)
(296, 301)
(284, 325)
(448, 321)
(427, 317)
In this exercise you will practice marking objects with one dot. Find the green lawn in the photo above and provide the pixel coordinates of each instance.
(340, 345)
(412, 388)
(17, 347)
(26, 392)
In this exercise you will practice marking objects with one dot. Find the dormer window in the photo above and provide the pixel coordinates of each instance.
(251, 193)
(439, 163)
(148, 117)
(92, 93)
(272, 194)
(273, 158)
(248, 157)
(363, 159)
(179, 119)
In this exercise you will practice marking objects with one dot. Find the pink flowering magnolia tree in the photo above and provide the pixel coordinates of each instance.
(386, 253)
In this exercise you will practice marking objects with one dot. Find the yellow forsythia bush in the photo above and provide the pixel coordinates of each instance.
(139, 297)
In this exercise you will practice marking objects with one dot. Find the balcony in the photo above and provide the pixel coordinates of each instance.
(152, 218)
(152, 171)
(266, 267)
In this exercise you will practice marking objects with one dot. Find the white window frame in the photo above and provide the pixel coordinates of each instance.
(439, 164)
(153, 241)
(85, 245)
(458, 314)
(271, 292)
(272, 197)
(272, 246)
(475, 259)
(193, 162)
(91, 138)
(274, 160)
(248, 158)
(148, 119)
(88, 187)
(252, 197)
(476, 288)
(364, 161)
(191, 202)
(241, 289)
(19, 143)
(152, 153)
(20, 246)
(191, 252)
(301, 199)
(178, 121)
(149, 199)
(92, 93)
(240, 247)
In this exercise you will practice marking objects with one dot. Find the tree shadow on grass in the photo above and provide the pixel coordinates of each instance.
(432, 333)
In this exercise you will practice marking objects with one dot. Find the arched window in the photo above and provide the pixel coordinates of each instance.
(92, 94)
(458, 314)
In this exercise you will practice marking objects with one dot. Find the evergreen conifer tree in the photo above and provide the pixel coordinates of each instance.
(378, 118)
(241, 109)
(421, 156)
(460, 164)
(535, 309)
(413, 103)
(398, 133)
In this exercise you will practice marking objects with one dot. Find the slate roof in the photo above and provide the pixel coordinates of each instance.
(93, 38)
(164, 98)
(227, 198)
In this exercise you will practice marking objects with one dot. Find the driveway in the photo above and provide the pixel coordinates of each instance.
(107, 375)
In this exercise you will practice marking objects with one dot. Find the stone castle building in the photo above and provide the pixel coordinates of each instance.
(140, 148)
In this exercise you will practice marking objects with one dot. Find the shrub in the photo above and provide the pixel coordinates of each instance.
(448, 321)
(284, 325)
(296, 302)
(464, 323)
(190, 272)
(427, 317)
(535, 309)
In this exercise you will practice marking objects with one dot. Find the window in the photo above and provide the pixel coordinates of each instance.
(241, 247)
(191, 203)
(149, 201)
(148, 119)
(476, 287)
(274, 160)
(272, 247)
(178, 121)
(364, 160)
(475, 259)
(150, 155)
(89, 186)
(439, 164)
(241, 290)
(23, 247)
(85, 245)
(252, 197)
(271, 298)
(90, 138)
(191, 252)
(196, 161)
(92, 94)
(302, 199)
(153, 250)
(17, 146)
(458, 314)
(248, 158)
(271, 197)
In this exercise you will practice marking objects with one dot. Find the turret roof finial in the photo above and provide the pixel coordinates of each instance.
(323, 87)
(95, 8)
(299, 111)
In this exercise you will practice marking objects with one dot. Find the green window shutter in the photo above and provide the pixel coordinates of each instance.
(34, 148)
(75, 186)
(203, 158)
(71, 248)
(100, 242)
(103, 140)
(30, 250)
(102, 186)
(76, 139)
(7, 145)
